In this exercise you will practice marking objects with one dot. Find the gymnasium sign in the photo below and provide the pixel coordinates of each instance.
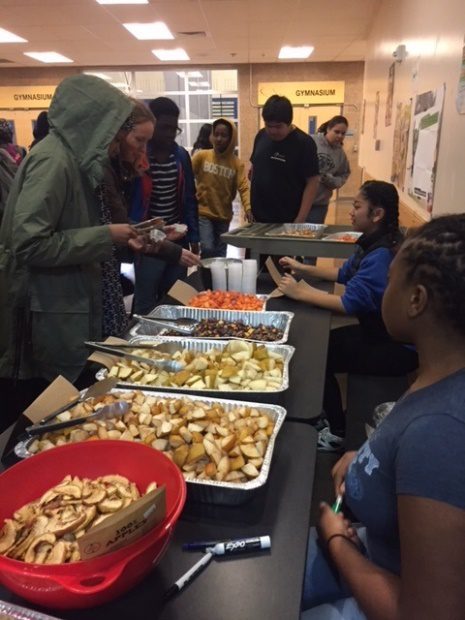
(303, 93)
(25, 97)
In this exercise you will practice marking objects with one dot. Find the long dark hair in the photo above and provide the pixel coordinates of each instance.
(203, 139)
(384, 195)
(336, 120)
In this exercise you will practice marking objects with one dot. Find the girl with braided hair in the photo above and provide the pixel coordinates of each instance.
(406, 485)
(365, 348)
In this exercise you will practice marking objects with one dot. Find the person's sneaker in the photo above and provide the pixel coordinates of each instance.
(320, 423)
(327, 442)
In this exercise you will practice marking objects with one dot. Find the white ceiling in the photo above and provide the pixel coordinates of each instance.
(235, 31)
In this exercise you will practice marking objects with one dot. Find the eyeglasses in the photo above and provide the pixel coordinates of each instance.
(168, 129)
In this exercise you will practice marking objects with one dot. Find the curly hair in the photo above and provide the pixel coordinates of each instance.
(163, 106)
(435, 257)
(384, 195)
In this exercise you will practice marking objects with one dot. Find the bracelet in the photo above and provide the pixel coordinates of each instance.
(341, 536)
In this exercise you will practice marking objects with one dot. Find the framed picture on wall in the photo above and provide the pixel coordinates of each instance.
(390, 95)
(375, 122)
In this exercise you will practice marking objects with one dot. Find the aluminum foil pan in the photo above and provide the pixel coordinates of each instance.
(349, 237)
(171, 345)
(298, 230)
(280, 320)
(212, 491)
(15, 612)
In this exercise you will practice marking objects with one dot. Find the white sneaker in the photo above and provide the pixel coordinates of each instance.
(327, 442)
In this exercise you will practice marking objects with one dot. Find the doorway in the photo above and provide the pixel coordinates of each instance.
(309, 118)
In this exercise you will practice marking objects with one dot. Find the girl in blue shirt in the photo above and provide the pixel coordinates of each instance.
(406, 485)
(365, 348)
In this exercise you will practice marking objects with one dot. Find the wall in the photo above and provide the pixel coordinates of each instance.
(350, 72)
(433, 34)
(249, 77)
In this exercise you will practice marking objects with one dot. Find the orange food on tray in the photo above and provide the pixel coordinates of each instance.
(347, 238)
(226, 300)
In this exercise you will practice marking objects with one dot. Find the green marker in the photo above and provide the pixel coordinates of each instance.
(336, 507)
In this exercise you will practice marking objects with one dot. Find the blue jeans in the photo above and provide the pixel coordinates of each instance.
(154, 277)
(325, 595)
(210, 237)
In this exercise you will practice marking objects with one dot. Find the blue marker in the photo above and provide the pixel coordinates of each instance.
(246, 545)
(200, 545)
(240, 544)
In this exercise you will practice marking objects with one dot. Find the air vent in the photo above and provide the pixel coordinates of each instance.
(5, 61)
(192, 33)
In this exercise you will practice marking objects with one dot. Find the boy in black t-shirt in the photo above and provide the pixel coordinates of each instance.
(285, 174)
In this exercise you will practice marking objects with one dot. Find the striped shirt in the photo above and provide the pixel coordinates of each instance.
(163, 199)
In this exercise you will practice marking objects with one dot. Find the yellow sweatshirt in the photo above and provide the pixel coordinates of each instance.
(218, 176)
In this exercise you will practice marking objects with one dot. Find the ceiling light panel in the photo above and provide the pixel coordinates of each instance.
(150, 32)
(171, 55)
(48, 57)
(10, 37)
(289, 52)
(123, 1)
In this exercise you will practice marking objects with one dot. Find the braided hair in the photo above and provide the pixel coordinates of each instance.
(435, 257)
(384, 195)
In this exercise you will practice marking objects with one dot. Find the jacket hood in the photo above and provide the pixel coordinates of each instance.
(322, 141)
(233, 142)
(87, 112)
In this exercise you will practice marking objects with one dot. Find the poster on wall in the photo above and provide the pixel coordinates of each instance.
(375, 123)
(400, 146)
(390, 95)
(427, 117)
(460, 100)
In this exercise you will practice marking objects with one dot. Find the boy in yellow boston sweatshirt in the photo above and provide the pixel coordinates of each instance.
(219, 174)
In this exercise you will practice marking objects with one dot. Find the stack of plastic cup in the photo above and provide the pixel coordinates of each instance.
(235, 277)
(218, 276)
(249, 276)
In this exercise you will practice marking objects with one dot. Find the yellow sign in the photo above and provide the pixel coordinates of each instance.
(24, 97)
(301, 93)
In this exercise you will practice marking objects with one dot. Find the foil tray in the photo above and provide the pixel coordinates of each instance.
(342, 236)
(15, 612)
(280, 320)
(171, 345)
(292, 230)
(212, 491)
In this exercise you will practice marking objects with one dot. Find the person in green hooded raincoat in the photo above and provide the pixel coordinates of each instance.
(57, 243)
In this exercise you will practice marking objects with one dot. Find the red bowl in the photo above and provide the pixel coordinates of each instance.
(101, 579)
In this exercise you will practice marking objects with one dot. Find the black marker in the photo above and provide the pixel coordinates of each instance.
(187, 577)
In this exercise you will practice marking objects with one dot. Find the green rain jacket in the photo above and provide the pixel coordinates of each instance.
(51, 240)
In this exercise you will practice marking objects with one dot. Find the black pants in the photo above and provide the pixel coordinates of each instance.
(352, 351)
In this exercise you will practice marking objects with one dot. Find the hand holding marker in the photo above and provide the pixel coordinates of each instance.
(228, 547)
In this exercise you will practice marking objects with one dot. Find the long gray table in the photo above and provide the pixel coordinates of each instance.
(255, 237)
(267, 585)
